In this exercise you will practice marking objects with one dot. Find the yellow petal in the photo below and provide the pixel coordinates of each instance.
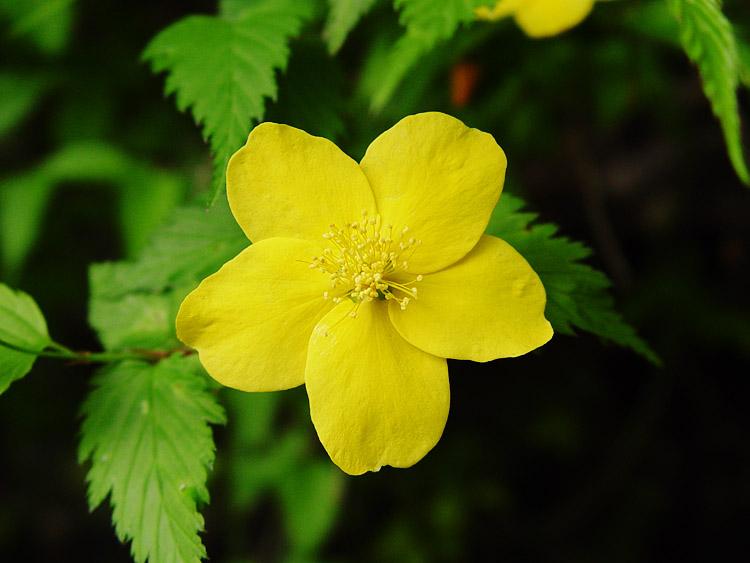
(501, 9)
(489, 305)
(375, 399)
(286, 183)
(543, 18)
(441, 179)
(251, 320)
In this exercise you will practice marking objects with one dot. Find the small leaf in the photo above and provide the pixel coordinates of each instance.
(577, 294)
(227, 84)
(707, 37)
(21, 326)
(146, 433)
(343, 15)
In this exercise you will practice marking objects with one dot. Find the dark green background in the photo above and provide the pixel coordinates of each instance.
(578, 452)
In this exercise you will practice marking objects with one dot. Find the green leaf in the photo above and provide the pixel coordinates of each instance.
(18, 94)
(192, 244)
(45, 22)
(134, 321)
(146, 433)
(427, 22)
(21, 326)
(133, 304)
(343, 15)
(226, 85)
(436, 19)
(577, 294)
(707, 37)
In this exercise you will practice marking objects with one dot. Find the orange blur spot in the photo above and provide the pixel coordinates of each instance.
(464, 79)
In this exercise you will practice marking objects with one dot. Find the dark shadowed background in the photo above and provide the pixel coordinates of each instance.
(579, 452)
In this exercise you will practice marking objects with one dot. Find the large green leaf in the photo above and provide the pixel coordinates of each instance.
(223, 68)
(146, 433)
(22, 326)
(708, 39)
(577, 294)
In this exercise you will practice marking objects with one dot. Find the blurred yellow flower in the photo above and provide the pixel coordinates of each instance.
(539, 18)
(362, 279)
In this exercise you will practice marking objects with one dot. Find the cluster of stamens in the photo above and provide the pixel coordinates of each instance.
(361, 260)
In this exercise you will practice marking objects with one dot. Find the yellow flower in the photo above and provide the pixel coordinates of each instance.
(539, 18)
(362, 279)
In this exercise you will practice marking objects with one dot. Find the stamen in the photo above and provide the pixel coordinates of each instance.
(362, 259)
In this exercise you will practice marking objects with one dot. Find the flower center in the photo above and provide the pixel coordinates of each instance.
(362, 259)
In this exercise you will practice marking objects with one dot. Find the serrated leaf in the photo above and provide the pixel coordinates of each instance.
(146, 433)
(22, 326)
(45, 22)
(223, 69)
(708, 39)
(427, 22)
(343, 15)
(577, 294)
(437, 19)
(193, 243)
(133, 304)
(133, 321)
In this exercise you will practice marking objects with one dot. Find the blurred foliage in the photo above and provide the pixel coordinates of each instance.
(578, 452)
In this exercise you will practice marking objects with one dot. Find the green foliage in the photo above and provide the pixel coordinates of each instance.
(223, 68)
(427, 22)
(343, 15)
(707, 37)
(133, 304)
(263, 460)
(18, 94)
(311, 93)
(744, 61)
(577, 294)
(44, 22)
(146, 195)
(23, 332)
(146, 432)
(155, 416)
(435, 19)
(310, 496)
